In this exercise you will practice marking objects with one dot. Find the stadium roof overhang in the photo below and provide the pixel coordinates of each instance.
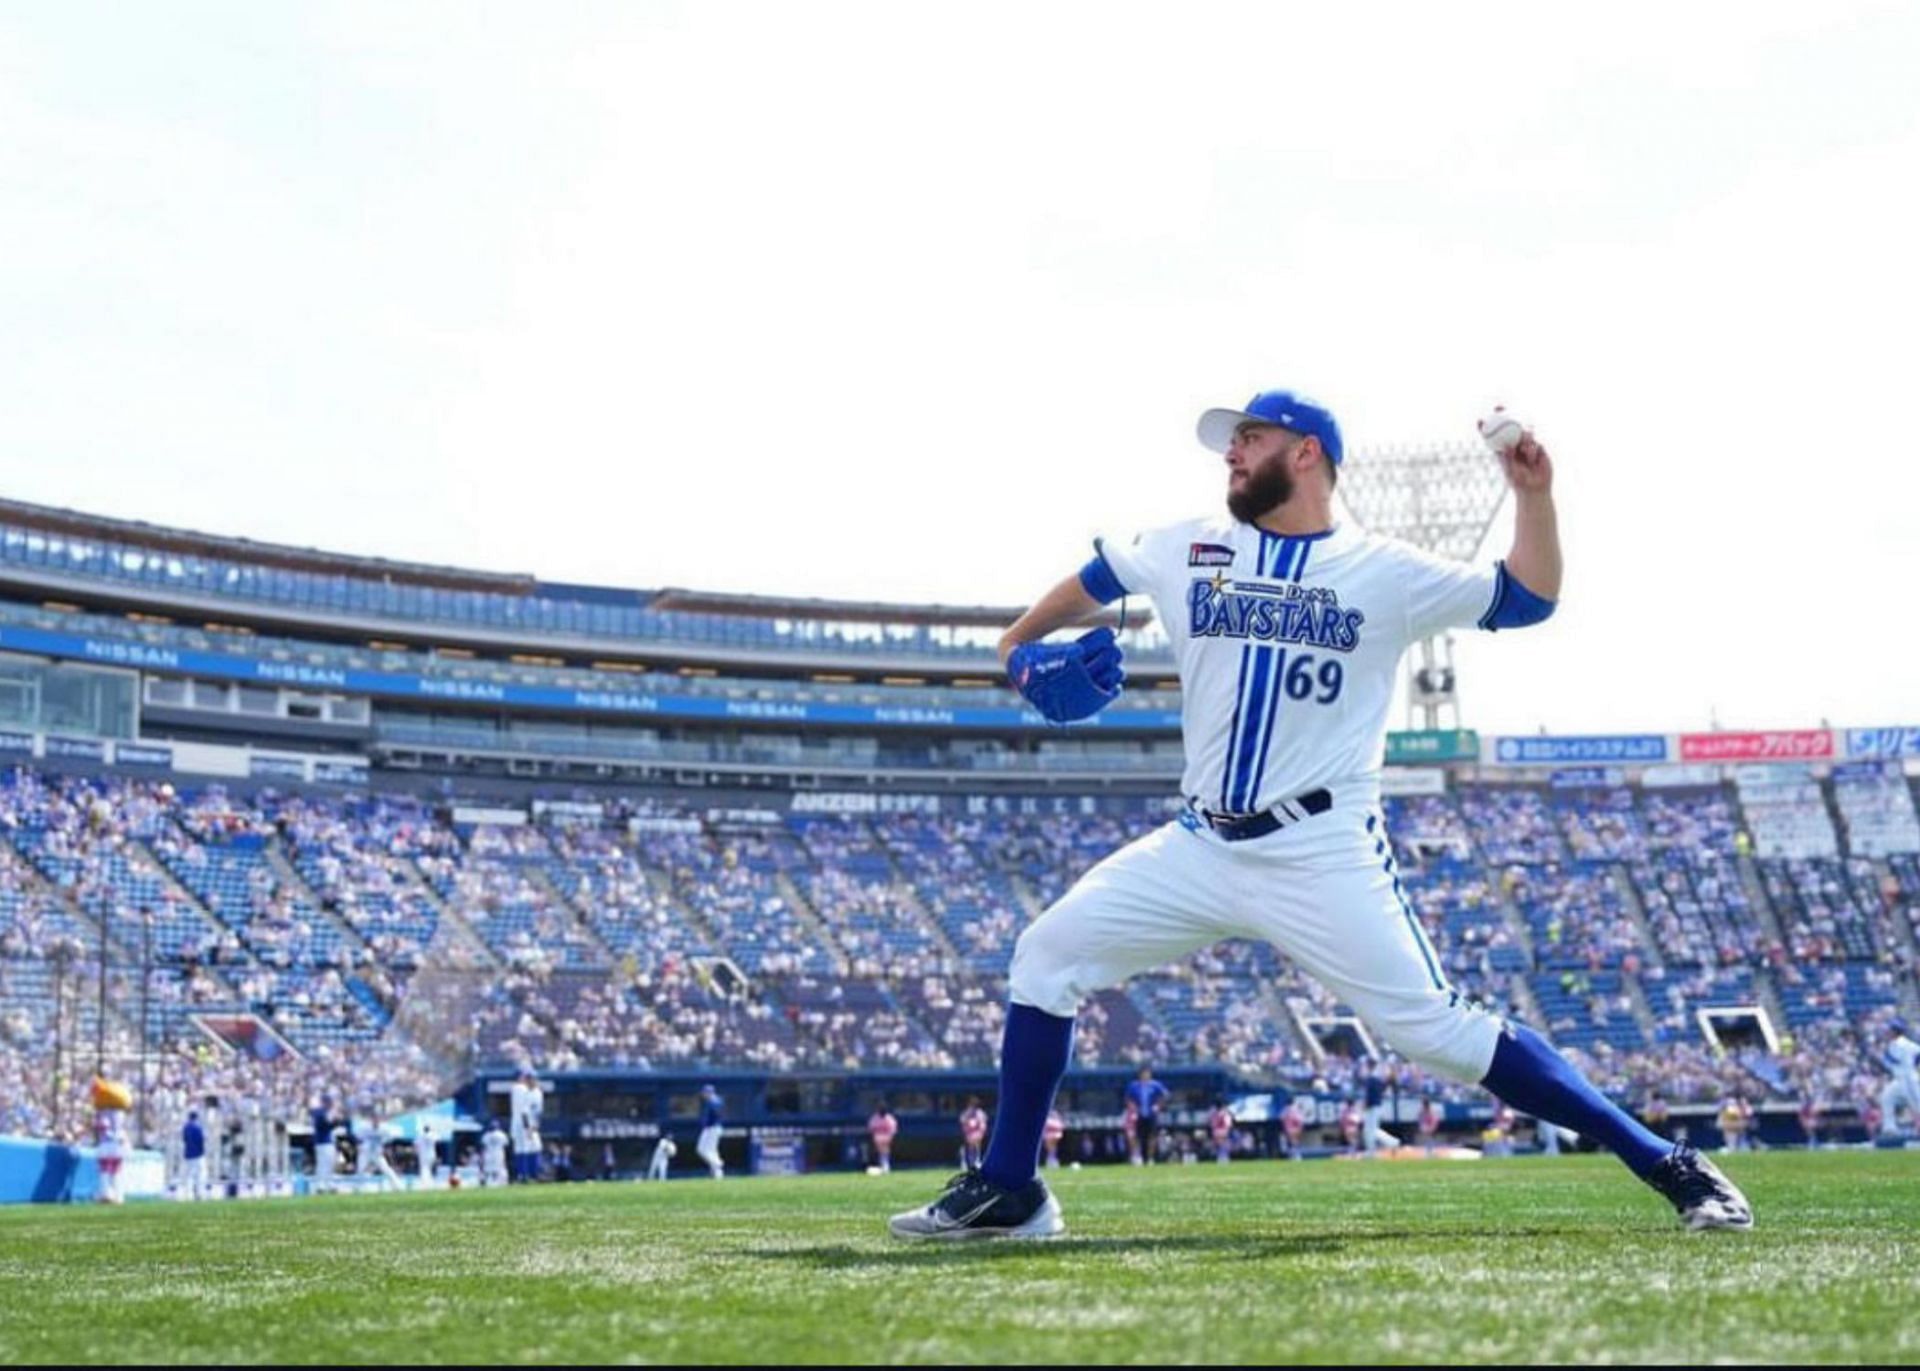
(186, 542)
(139, 533)
(856, 611)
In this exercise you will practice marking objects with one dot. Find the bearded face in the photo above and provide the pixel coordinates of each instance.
(1261, 487)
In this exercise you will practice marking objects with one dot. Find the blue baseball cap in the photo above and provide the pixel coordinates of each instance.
(1283, 408)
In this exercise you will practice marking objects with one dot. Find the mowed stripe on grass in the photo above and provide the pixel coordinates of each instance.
(1525, 1260)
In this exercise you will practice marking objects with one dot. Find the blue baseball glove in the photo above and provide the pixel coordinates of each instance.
(1068, 681)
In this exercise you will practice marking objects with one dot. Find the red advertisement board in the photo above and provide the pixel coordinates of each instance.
(1776, 745)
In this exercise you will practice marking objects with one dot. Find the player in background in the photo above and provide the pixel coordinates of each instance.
(1288, 630)
(973, 1134)
(707, 1145)
(325, 1125)
(1050, 1136)
(1428, 1124)
(882, 1128)
(1659, 1115)
(1902, 1058)
(493, 1154)
(193, 1151)
(1293, 1127)
(526, 1103)
(663, 1154)
(1146, 1095)
(1735, 1117)
(1220, 1129)
(370, 1160)
(1351, 1121)
(236, 1142)
(425, 1154)
(1375, 1090)
(1809, 1113)
(1130, 1130)
(1500, 1134)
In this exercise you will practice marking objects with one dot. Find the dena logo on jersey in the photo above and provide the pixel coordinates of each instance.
(1273, 614)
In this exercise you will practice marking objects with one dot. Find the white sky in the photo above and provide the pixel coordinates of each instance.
(907, 301)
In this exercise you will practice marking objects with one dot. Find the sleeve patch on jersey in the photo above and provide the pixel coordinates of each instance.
(1098, 580)
(1209, 554)
(1514, 606)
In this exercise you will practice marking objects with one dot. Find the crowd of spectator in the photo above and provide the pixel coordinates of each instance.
(396, 950)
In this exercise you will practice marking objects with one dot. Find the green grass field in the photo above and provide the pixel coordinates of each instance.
(1522, 1260)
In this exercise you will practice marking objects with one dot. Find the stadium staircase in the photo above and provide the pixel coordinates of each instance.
(1642, 1010)
(1515, 921)
(789, 890)
(572, 915)
(1030, 903)
(292, 880)
(144, 860)
(910, 898)
(38, 890)
(660, 878)
(462, 945)
(1757, 897)
(1768, 993)
(1637, 911)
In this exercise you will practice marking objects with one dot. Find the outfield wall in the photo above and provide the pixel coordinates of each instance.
(36, 1172)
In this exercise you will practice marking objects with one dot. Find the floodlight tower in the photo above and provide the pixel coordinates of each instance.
(1441, 498)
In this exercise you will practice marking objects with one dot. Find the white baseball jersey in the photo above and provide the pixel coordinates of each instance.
(526, 1102)
(1288, 648)
(1904, 1057)
(493, 1148)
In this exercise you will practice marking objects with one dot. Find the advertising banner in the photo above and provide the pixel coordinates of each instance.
(339, 773)
(1547, 750)
(647, 703)
(1680, 774)
(1773, 745)
(81, 749)
(1883, 742)
(1587, 778)
(1412, 780)
(1433, 745)
(142, 754)
(268, 766)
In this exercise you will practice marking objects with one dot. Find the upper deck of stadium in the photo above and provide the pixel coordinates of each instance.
(98, 562)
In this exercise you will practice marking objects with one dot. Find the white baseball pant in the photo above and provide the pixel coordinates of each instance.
(1896, 1095)
(1324, 890)
(708, 1148)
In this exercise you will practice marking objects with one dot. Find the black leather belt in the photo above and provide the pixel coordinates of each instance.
(1237, 828)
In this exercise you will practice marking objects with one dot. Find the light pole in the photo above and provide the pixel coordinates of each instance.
(146, 982)
(1440, 497)
(62, 956)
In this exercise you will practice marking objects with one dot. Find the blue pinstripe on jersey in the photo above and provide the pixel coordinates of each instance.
(1250, 705)
(1259, 696)
(1239, 703)
(1289, 563)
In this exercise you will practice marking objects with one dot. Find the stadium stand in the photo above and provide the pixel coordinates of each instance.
(457, 903)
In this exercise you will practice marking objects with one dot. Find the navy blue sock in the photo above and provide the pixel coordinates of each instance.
(1033, 1057)
(1529, 1075)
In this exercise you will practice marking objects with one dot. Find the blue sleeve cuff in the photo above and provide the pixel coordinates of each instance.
(1098, 580)
(1514, 606)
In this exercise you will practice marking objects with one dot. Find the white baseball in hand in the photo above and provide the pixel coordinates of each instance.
(1501, 431)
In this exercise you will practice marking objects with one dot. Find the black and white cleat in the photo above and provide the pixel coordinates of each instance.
(1704, 1197)
(973, 1207)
